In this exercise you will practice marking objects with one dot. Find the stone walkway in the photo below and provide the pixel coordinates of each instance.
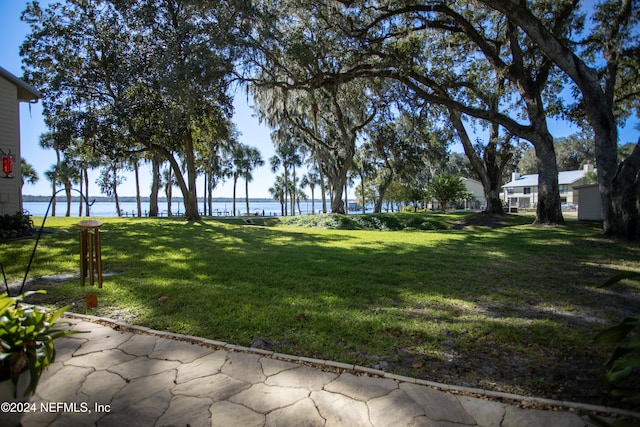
(116, 377)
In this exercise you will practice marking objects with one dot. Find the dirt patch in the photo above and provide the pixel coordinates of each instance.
(492, 221)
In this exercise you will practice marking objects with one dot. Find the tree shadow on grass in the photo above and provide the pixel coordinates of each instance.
(472, 307)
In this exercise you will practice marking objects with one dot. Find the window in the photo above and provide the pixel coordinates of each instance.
(526, 190)
(511, 190)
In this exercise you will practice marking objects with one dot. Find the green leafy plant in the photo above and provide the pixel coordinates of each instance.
(624, 362)
(27, 335)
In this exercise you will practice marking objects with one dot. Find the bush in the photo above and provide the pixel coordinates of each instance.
(15, 226)
(323, 221)
(381, 222)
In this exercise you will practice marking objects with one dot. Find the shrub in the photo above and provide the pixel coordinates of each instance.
(15, 226)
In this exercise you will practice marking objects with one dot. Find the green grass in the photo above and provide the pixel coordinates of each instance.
(476, 306)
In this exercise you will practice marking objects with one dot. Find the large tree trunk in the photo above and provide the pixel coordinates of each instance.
(338, 180)
(382, 189)
(625, 198)
(190, 196)
(337, 176)
(549, 209)
(337, 204)
(155, 185)
(489, 170)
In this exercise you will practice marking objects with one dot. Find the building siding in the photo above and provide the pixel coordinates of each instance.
(10, 189)
(590, 207)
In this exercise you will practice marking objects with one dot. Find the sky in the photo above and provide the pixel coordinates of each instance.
(253, 133)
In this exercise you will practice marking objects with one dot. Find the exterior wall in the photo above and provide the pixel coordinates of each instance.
(590, 207)
(516, 197)
(475, 188)
(10, 189)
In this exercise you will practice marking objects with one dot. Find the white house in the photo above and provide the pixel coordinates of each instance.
(477, 201)
(522, 191)
(12, 92)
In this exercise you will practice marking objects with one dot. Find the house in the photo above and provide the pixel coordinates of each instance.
(522, 191)
(12, 92)
(477, 200)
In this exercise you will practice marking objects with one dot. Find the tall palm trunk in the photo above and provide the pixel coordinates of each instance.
(138, 200)
(246, 194)
(235, 181)
(67, 191)
(86, 188)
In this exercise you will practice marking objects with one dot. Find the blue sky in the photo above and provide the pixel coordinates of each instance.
(13, 32)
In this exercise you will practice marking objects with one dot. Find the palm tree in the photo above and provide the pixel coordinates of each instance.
(363, 166)
(288, 157)
(28, 173)
(253, 160)
(281, 194)
(311, 179)
(300, 195)
(66, 173)
(82, 158)
(109, 181)
(51, 140)
(278, 192)
(133, 162)
(240, 165)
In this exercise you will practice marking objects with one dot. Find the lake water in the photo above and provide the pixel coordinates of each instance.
(102, 209)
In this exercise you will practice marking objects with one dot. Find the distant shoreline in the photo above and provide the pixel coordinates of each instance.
(132, 199)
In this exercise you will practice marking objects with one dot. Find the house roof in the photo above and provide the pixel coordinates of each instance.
(564, 177)
(26, 92)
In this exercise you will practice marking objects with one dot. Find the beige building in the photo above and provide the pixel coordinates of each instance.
(12, 92)
(522, 191)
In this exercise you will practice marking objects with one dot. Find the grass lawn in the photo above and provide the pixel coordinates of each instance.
(511, 308)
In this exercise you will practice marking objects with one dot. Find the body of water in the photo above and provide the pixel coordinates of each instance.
(107, 209)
